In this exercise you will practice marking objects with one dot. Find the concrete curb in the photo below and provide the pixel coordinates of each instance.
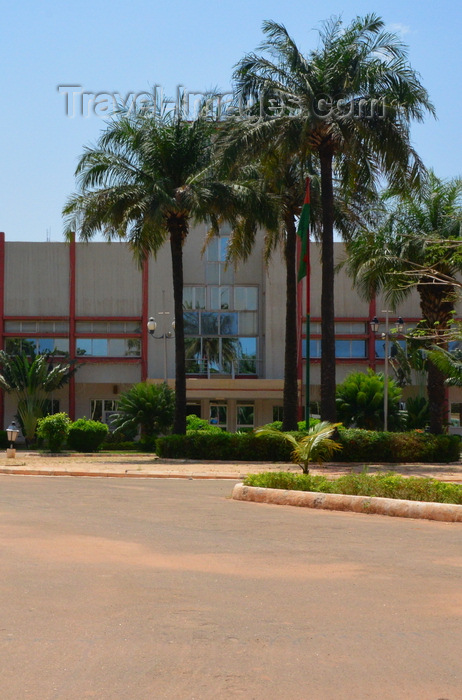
(116, 475)
(445, 512)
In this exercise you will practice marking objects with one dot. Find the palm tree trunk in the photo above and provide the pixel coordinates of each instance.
(328, 386)
(290, 352)
(178, 228)
(437, 305)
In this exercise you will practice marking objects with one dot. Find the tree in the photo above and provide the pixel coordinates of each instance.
(32, 379)
(349, 105)
(414, 232)
(149, 176)
(147, 407)
(316, 446)
(360, 401)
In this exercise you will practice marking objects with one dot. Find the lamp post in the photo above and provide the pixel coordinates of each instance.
(11, 433)
(386, 337)
(166, 335)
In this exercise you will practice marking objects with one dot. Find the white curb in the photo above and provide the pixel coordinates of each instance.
(446, 512)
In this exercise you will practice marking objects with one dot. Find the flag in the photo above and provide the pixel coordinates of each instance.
(303, 232)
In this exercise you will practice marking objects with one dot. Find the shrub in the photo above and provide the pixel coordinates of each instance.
(122, 446)
(194, 423)
(87, 435)
(383, 484)
(371, 446)
(224, 446)
(359, 401)
(148, 407)
(54, 430)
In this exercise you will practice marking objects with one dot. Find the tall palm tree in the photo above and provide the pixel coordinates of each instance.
(412, 234)
(349, 103)
(149, 176)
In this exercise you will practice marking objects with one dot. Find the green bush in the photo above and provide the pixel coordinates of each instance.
(365, 446)
(122, 446)
(224, 446)
(371, 446)
(359, 401)
(194, 423)
(383, 484)
(87, 435)
(54, 430)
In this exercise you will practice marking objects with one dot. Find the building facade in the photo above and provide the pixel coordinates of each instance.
(90, 301)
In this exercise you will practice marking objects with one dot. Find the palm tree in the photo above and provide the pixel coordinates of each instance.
(31, 379)
(316, 446)
(349, 105)
(413, 233)
(149, 176)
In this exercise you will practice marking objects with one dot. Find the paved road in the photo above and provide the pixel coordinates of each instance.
(152, 589)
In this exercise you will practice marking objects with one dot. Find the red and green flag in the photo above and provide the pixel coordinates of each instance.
(303, 232)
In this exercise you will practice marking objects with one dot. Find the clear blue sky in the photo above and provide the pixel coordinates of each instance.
(125, 47)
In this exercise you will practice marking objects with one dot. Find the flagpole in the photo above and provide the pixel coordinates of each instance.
(308, 314)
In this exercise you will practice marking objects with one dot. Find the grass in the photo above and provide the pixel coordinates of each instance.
(383, 484)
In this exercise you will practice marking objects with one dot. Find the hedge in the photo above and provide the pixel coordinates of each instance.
(358, 446)
(86, 435)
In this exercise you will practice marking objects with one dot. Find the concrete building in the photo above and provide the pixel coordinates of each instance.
(92, 302)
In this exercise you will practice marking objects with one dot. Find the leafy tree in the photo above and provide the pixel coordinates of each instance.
(417, 412)
(360, 401)
(348, 105)
(149, 176)
(31, 379)
(316, 446)
(148, 407)
(449, 363)
(411, 233)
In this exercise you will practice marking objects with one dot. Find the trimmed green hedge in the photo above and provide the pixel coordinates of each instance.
(224, 446)
(358, 446)
(371, 446)
(86, 435)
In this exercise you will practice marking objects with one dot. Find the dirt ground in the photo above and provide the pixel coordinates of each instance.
(148, 465)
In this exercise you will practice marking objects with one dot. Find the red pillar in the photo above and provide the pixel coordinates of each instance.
(2, 316)
(144, 318)
(72, 345)
(371, 339)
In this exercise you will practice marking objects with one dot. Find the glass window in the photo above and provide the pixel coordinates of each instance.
(46, 345)
(219, 414)
(228, 324)
(224, 240)
(245, 416)
(350, 348)
(212, 250)
(62, 346)
(278, 413)
(349, 327)
(209, 323)
(245, 298)
(117, 347)
(380, 347)
(194, 298)
(191, 323)
(12, 326)
(315, 348)
(248, 323)
(61, 326)
(247, 356)
(133, 347)
(219, 298)
(100, 347)
(29, 326)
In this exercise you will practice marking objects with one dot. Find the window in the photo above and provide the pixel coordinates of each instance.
(35, 346)
(219, 298)
(245, 298)
(102, 410)
(278, 413)
(380, 347)
(219, 414)
(350, 328)
(193, 298)
(217, 249)
(109, 347)
(350, 349)
(245, 416)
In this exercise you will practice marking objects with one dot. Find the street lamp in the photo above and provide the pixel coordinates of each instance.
(374, 324)
(12, 433)
(166, 335)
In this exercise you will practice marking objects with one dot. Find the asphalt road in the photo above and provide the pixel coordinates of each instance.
(152, 589)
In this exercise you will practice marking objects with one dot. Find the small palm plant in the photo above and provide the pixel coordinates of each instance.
(316, 446)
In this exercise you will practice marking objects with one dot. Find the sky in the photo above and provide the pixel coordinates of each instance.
(127, 48)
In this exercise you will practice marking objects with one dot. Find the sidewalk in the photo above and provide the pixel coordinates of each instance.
(149, 466)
